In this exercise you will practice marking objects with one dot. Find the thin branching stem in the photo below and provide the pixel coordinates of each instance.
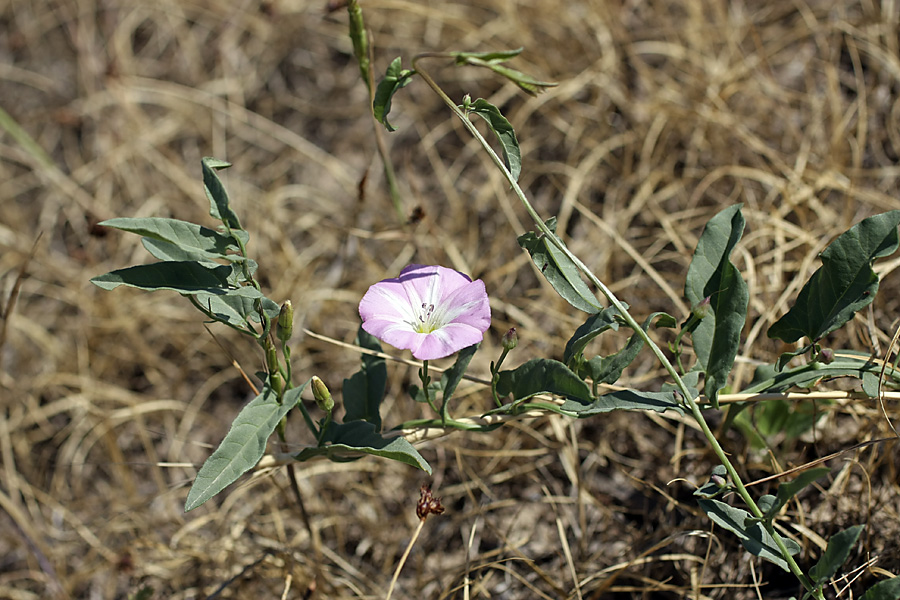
(687, 397)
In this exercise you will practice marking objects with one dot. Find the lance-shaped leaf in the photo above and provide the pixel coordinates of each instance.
(235, 310)
(750, 531)
(608, 369)
(712, 275)
(889, 589)
(185, 277)
(595, 324)
(844, 284)
(243, 446)
(559, 270)
(543, 376)
(195, 240)
(219, 207)
(452, 376)
(350, 441)
(166, 251)
(847, 364)
(364, 391)
(395, 78)
(622, 400)
(509, 145)
(497, 57)
(788, 490)
(494, 61)
(836, 554)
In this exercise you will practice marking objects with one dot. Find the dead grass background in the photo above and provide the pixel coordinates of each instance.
(665, 112)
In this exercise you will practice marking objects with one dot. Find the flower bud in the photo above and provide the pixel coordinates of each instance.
(271, 357)
(276, 382)
(285, 326)
(702, 308)
(510, 339)
(826, 356)
(322, 395)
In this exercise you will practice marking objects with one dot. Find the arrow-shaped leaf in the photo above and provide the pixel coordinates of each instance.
(844, 284)
(349, 441)
(219, 207)
(243, 446)
(395, 77)
(559, 270)
(509, 145)
(712, 275)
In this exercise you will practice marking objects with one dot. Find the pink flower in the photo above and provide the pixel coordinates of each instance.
(431, 310)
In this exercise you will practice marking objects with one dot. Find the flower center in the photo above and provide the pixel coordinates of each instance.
(426, 319)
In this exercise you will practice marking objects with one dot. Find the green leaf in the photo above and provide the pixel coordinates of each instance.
(500, 56)
(595, 324)
(509, 145)
(888, 589)
(713, 488)
(622, 400)
(750, 531)
(792, 419)
(785, 357)
(543, 376)
(236, 310)
(364, 391)
(788, 490)
(844, 284)
(350, 441)
(805, 376)
(196, 241)
(712, 275)
(836, 554)
(452, 376)
(493, 60)
(559, 270)
(608, 369)
(184, 277)
(167, 252)
(219, 207)
(395, 78)
(243, 446)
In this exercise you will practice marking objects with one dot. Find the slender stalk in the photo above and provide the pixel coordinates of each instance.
(359, 35)
(689, 401)
(425, 379)
(403, 558)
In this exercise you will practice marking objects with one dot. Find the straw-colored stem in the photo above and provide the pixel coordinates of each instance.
(403, 558)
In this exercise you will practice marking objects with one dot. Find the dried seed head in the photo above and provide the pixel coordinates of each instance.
(428, 504)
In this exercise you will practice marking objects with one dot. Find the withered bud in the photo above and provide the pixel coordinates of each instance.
(510, 339)
(284, 329)
(428, 504)
(322, 395)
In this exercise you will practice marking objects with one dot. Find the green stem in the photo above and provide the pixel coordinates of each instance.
(495, 377)
(689, 401)
(363, 52)
(425, 379)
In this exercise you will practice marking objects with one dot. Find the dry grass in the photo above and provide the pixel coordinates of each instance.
(665, 112)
